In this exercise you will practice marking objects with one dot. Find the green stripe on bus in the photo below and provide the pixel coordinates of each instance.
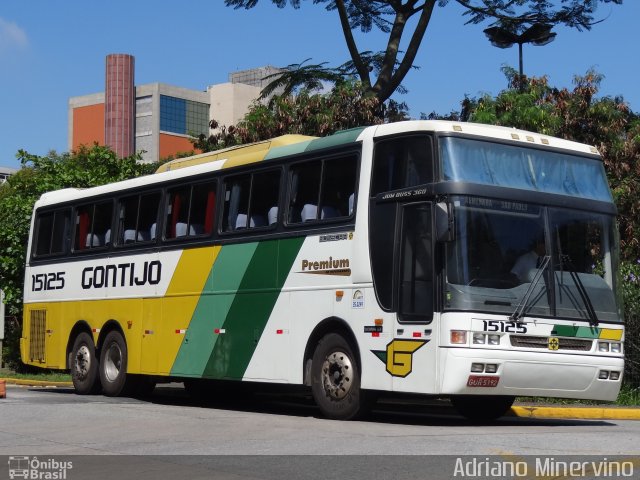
(285, 150)
(252, 307)
(212, 309)
(234, 307)
(571, 331)
(340, 138)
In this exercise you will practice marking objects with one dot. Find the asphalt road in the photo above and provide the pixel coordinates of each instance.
(280, 436)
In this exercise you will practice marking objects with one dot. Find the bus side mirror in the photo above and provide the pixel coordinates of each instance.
(444, 222)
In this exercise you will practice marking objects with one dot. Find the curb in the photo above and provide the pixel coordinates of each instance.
(593, 413)
(35, 383)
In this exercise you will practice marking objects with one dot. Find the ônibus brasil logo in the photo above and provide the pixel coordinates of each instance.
(36, 469)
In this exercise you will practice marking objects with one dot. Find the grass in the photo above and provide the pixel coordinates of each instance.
(45, 375)
(629, 396)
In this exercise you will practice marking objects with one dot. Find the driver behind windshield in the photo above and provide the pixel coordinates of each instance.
(525, 266)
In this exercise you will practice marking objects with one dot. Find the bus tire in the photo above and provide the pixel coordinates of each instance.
(84, 365)
(113, 366)
(335, 379)
(482, 407)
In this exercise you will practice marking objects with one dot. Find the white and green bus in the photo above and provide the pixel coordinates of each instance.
(440, 258)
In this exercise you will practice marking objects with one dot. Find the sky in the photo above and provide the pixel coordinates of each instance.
(53, 50)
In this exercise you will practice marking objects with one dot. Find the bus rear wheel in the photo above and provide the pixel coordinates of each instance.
(335, 379)
(113, 366)
(84, 365)
(482, 407)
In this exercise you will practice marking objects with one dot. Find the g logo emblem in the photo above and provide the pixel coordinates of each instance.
(399, 356)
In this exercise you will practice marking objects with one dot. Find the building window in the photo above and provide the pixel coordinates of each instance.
(185, 117)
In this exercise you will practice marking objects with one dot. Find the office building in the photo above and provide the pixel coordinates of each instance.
(157, 118)
(5, 173)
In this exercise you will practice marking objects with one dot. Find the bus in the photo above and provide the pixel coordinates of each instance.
(450, 259)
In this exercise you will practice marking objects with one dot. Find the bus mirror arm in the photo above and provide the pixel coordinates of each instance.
(444, 222)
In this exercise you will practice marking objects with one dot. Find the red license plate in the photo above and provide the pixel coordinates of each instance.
(482, 381)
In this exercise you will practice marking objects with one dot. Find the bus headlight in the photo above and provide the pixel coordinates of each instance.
(478, 339)
(613, 347)
(494, 339)
(458, 337)
(614, 376)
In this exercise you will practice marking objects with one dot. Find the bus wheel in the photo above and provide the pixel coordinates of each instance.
(335, 379)
(482, 407)
(84, 365)
(113, 366)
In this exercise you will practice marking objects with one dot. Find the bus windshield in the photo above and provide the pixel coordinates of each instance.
(503, 165)
(501, 246)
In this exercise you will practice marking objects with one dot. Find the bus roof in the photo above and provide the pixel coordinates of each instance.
(265, 150)
(482, 130)
(292, 144)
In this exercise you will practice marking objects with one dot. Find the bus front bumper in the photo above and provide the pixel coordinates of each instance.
(472, 371)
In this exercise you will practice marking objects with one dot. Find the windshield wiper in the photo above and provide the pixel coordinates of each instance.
(593, 318)
(522, 305)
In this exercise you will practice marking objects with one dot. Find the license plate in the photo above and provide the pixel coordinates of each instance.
(482, 381)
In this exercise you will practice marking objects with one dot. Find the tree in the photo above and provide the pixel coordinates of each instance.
(86, 167)
(345, 106)
(393, 18)
(300, 76)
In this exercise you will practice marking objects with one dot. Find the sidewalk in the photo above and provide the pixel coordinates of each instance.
(519, 410)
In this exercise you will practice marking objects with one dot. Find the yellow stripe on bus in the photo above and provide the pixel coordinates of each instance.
(180, 301)
(610, 334)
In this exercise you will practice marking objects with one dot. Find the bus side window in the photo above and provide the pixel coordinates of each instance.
(338, 187)
(52, 232)
(177, 212)
(304, 187)
(251, 200)
(236, 203)
(401, 163)
(93, 226)
(190, 210)
(138, 216)
(265, 193)
(322, 189)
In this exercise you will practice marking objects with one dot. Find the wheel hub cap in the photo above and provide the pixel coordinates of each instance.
(337, 375)
(112, 362)
(83, 362)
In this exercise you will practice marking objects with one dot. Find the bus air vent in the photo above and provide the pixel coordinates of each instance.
(530, 341)
(37, 335)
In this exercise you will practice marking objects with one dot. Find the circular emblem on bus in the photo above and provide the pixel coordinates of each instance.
(554, 343)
